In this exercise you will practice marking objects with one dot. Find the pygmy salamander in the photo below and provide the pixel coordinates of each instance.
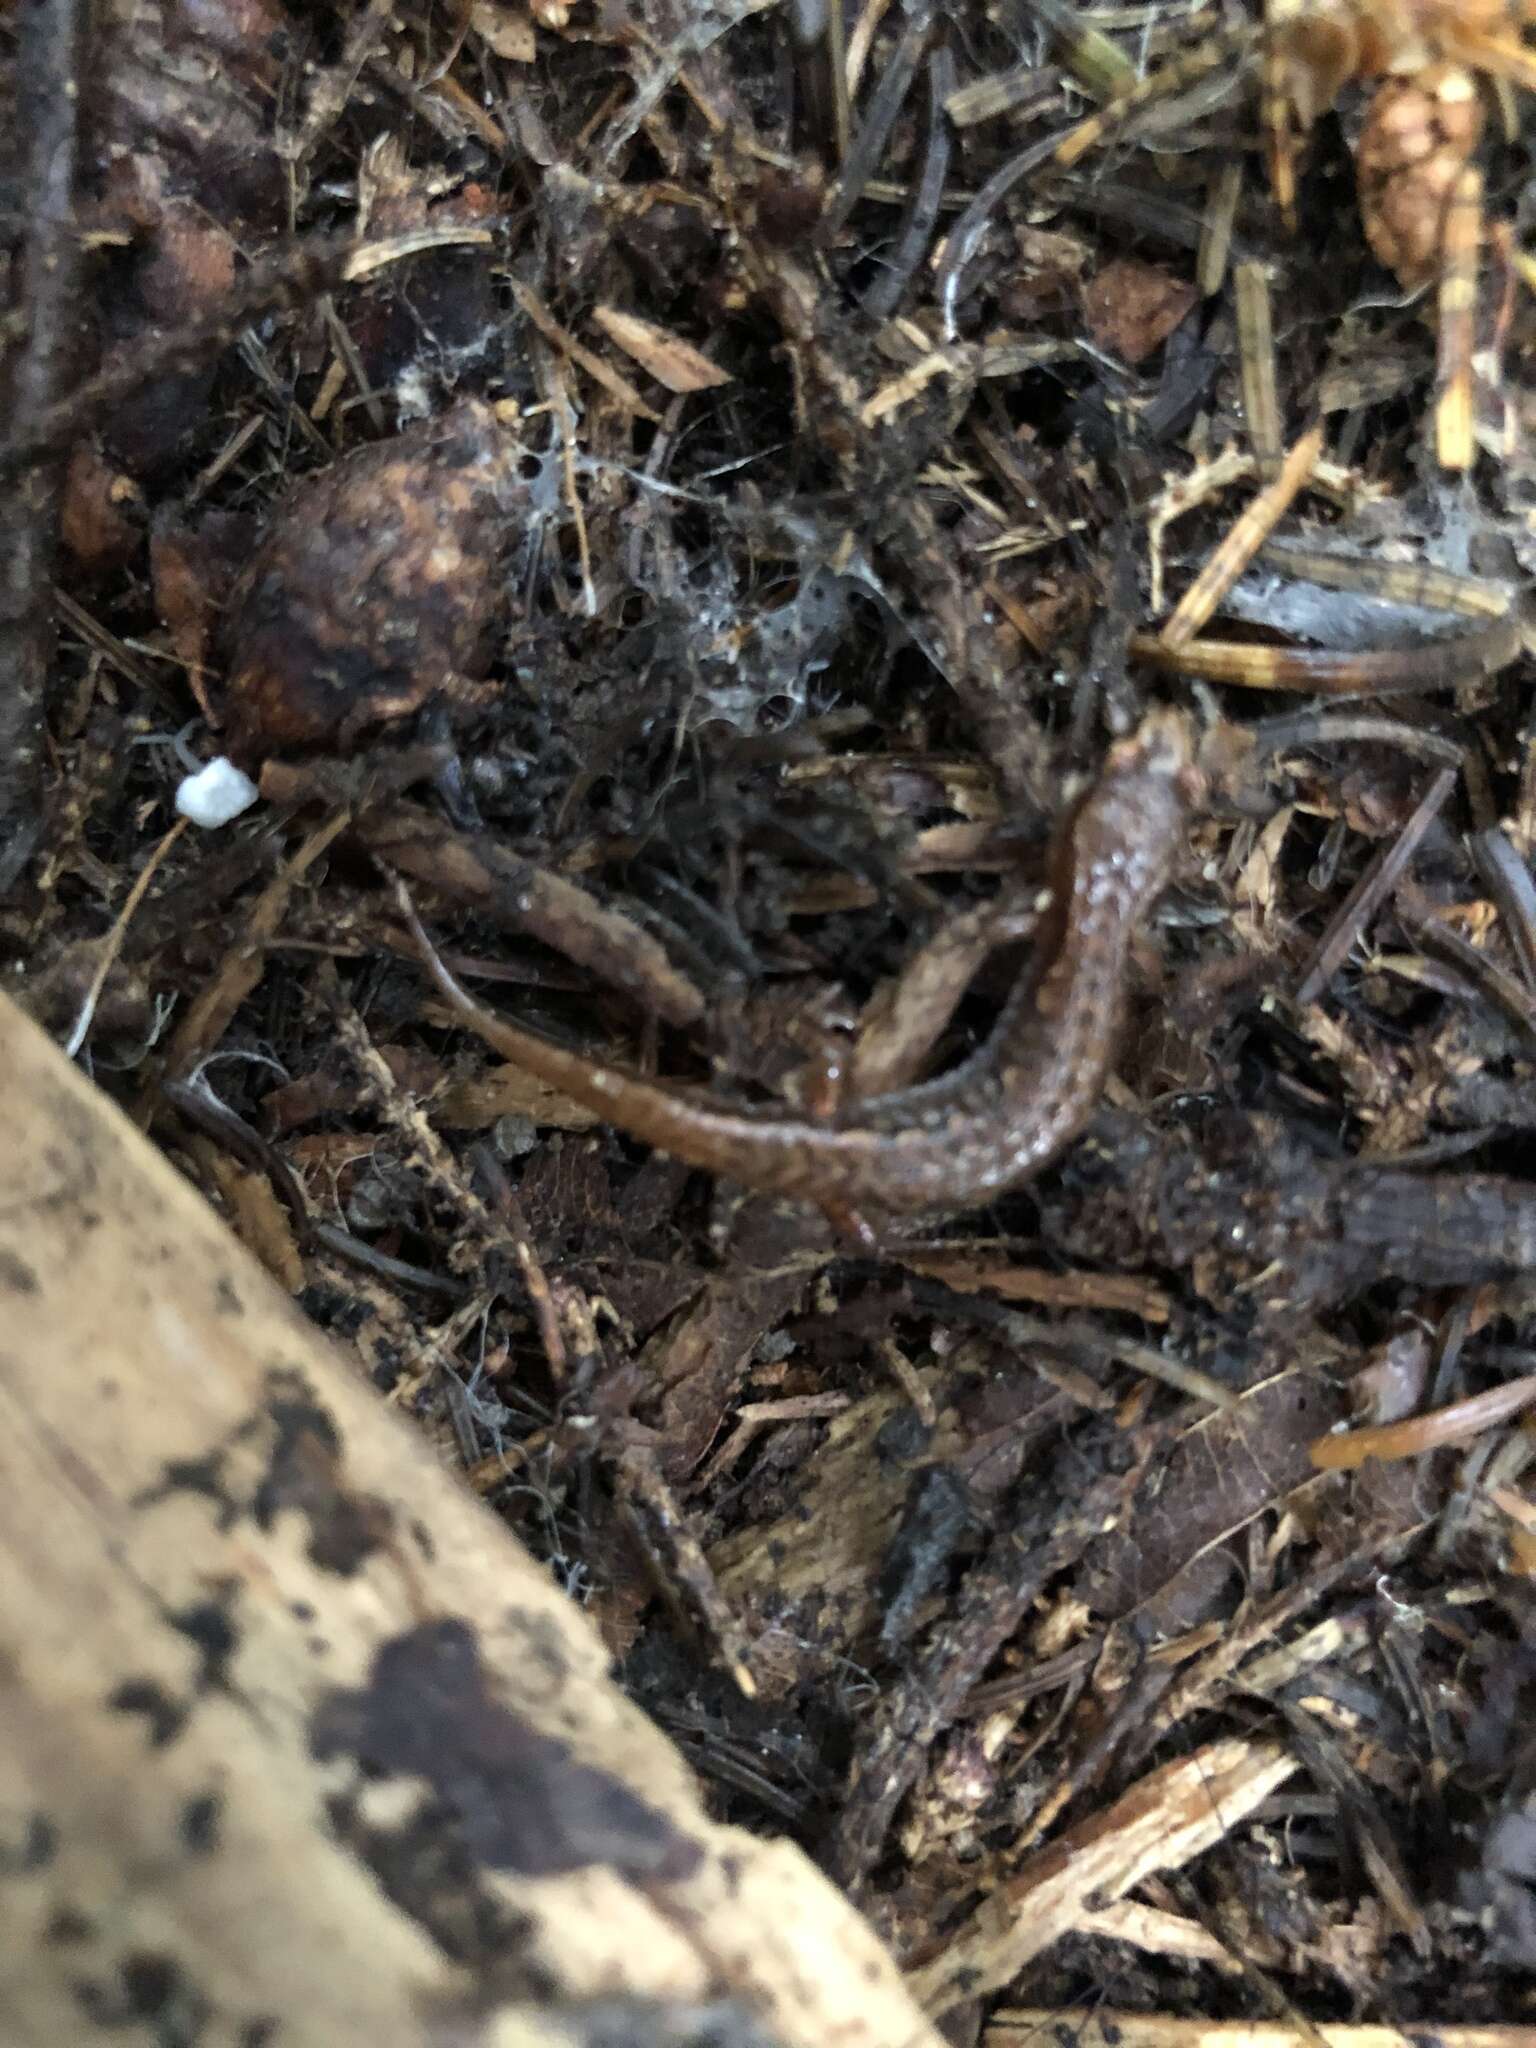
(1005, 1112)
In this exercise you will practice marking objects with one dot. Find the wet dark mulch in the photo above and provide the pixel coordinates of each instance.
(692, 525)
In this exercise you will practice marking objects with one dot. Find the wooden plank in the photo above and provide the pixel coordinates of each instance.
(299, 1746)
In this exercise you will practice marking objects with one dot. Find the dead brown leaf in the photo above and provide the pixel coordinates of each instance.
(1132, 307)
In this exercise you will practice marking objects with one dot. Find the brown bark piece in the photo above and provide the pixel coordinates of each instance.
(299, 1744)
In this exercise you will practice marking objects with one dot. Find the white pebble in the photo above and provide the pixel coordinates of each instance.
(218, 792)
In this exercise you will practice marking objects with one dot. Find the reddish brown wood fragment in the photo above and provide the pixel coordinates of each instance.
(1420, 1433)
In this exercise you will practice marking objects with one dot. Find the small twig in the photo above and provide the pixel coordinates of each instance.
(1452, 1424)
(437, 1346)
(558, 337)
(1382, 874)
(885, 105)
(540, 1298)
(964, 238)
(1184, 1379)
(1094, 59)
(474, 868)
(1456, 319)
(1216, 223)
(565, 419)
(479, 1232)
(1315, 728)
(241, 966)
(330, 1237)
(860, 42)
(47, 111)
(931, 1693)
(1027, 88)
(1243, 542)
(1201, 1684)
(1485, 974)
(916, 230)
(820, 38)
(112, 945)
(1414, 583)
(1256, 342)
(196, 1101)
(1508, 880)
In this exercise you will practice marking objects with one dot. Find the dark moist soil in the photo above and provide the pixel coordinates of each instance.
(701, 556)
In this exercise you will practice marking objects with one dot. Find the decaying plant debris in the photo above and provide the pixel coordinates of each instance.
(696, 488)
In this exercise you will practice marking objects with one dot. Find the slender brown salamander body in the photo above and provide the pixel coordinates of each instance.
(1008, 1110)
